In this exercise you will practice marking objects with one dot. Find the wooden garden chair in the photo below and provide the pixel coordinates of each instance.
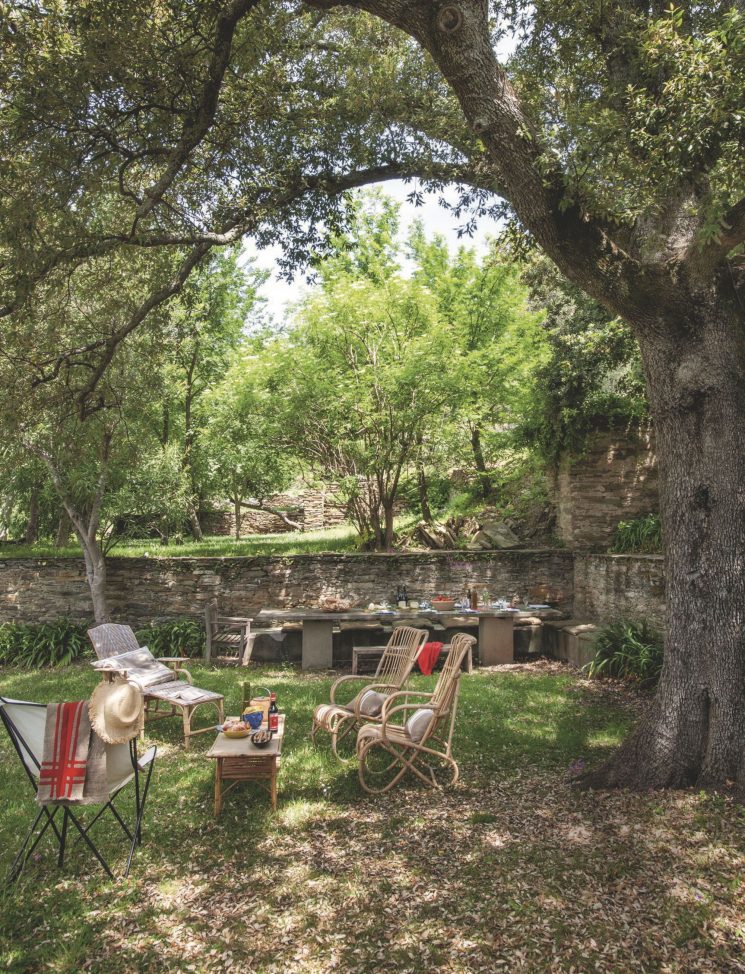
(390, 748)
(177, 695)
(394, 668)
(227, 636)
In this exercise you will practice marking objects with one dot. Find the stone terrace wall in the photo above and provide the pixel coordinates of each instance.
(615, 479)
(314, 508)
(608, 588)
(36, 590)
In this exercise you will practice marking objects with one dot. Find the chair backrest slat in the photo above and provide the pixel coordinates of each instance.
(447, 683)
(111, 639)
(400, 655)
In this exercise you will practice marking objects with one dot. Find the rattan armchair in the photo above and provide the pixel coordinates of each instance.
(390, 748)
(395, 666)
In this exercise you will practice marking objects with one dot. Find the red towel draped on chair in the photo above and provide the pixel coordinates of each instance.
(428, 657)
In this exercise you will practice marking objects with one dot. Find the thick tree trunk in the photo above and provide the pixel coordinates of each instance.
(694, 733)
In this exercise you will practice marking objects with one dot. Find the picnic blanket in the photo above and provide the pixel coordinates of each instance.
(428, 657)
(73, 763)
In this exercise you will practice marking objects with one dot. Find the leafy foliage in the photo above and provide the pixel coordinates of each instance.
(630, 650)
(180, 637)
(641, 536)
(32, 645)
(591, 377)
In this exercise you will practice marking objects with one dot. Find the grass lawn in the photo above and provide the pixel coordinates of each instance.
(511, 870)
(342, 538)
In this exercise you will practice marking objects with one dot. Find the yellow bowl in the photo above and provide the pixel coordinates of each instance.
(238, 732)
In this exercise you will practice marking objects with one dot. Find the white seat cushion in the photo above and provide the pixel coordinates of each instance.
(371, 703)
(418, 724)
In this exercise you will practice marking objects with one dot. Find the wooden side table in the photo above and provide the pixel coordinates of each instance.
(237, 759)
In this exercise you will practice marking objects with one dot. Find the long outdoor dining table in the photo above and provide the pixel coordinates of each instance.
(495, 638)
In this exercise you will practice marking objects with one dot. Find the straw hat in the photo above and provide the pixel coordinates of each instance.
(116, 711)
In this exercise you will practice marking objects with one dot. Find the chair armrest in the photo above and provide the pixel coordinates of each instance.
(345, 679)
(399, 700)
(238, 620)
(182, 671)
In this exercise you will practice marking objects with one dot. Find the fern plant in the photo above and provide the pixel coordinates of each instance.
(640, 536)
(630, 650)
(180, 637)
(32, 645)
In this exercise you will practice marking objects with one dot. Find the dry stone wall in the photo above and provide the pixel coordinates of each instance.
(609, 588)
(140, 589)
(315, 509)
(615, 479)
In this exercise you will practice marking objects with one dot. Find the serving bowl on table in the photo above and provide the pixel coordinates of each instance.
(262, 738)
(443, 605)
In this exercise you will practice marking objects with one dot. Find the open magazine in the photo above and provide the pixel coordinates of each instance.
(140, 668)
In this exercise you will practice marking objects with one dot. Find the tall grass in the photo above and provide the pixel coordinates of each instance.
(640, 536)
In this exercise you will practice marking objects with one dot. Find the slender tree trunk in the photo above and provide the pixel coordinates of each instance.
(196, 527)
(388, 505)
(32, 525)
(421, 481)
(238, 514)
(694, 733)
(64, 526)
(95, 571)
(480, 463)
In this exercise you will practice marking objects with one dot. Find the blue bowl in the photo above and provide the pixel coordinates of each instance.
(254, 720)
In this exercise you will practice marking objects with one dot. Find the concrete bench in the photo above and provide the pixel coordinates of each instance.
(570, 640)
(373, 653)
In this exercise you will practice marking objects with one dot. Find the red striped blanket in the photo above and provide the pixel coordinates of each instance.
(65, 758)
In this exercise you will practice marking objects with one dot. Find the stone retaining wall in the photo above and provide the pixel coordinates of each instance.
(37, 590)
(608, 588)
(614, 479)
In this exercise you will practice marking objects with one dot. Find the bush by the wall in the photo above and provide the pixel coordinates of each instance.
(640, 536)
(630, 650)
(181, 637)
(44, 644)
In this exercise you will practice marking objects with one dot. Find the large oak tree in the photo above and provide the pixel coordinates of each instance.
(613, 135)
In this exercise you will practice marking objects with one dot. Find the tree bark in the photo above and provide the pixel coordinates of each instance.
(64, 526)
(694, 732)
(238, 514)
(388, 505)
(32, 525)
(95, 573)
(480, 462)
(421, 482)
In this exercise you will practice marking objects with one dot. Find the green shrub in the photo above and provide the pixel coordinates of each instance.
(43, 644)
(630, 650)
(181, 637)
(640, 536)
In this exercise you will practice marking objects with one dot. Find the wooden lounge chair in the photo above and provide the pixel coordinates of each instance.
(227, 636)
(178, 695)
(396, 663)
(395, 745)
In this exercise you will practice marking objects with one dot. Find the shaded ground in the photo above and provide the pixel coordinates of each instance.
(511, 870)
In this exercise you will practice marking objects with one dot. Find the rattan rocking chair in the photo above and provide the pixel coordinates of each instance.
(394, 668)
(389, 749)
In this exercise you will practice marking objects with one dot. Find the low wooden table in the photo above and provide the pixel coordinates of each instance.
(237, 759)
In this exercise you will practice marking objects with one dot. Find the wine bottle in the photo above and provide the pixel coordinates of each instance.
(273, 713)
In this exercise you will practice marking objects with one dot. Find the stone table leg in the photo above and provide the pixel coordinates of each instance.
(318, 641)
(496, 641)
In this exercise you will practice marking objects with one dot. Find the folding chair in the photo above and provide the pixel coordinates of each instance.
(24, 722)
